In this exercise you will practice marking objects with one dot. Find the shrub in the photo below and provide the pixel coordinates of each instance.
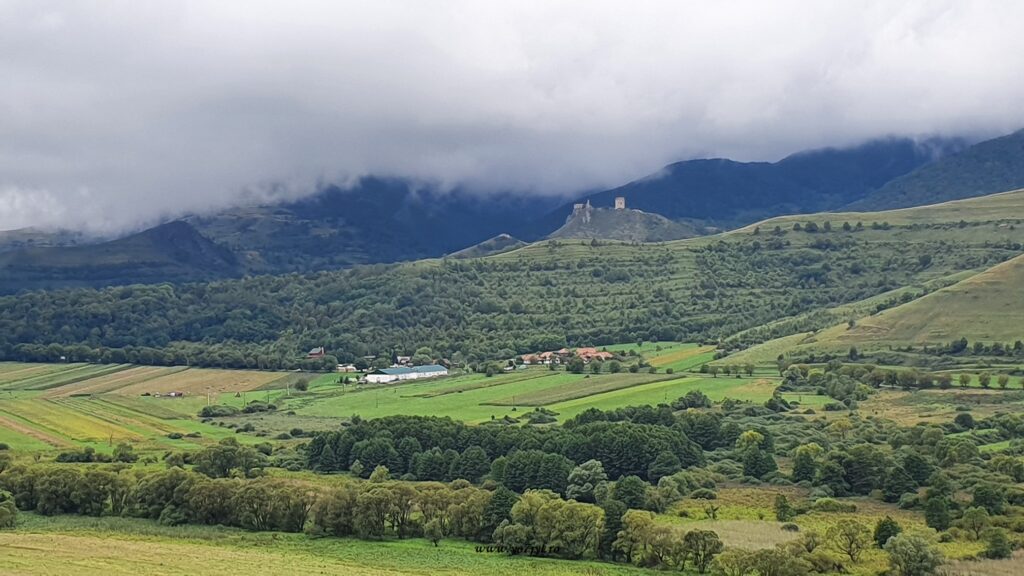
(790, 527)
(703, 494)
(218, 411)
(833, 505)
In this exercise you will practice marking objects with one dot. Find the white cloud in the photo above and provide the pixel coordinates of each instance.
(162, 108)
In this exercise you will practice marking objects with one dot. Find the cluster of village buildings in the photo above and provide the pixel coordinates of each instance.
(564, 355)
(404, 370)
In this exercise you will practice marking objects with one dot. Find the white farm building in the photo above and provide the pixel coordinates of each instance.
(406, 373)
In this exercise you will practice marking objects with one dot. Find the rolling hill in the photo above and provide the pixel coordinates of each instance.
(173, 251)
(991, 166)
(491, 246)
(541, 296)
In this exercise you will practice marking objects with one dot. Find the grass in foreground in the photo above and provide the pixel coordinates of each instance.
(116, 546)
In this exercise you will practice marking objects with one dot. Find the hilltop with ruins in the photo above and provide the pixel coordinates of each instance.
(618, 222)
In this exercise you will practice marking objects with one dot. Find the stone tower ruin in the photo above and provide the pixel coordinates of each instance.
(620, 203)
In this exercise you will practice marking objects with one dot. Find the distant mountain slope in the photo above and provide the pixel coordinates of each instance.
(378, 220)
(36, 238)
(995, 165)
(627, 225)
(170, 252)
(729, 193)
(497, 245)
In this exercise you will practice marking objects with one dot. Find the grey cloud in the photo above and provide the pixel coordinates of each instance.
(116, 114)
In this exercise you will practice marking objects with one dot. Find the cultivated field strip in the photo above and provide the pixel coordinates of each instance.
(681, 359)
(49, 417)
(154, 407)
(14, 372)
(114, 381)
(63, 378)
(200, 381)
(16, 426)
(140, 424)
(478, 384)
(582, 388)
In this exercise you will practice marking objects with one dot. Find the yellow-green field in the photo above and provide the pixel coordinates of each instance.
(61, 406)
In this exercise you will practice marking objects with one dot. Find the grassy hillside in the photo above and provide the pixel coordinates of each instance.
(987, 307)
(497, 245)
(981, 307)
(992, 166)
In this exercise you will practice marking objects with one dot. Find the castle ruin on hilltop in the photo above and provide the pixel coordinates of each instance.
(584, 210)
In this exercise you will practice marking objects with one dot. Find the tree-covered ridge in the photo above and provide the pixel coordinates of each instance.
(543, 296)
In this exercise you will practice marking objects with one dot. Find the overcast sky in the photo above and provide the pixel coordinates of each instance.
(115, 114)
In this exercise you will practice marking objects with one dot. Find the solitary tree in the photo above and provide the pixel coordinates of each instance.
(850, 537)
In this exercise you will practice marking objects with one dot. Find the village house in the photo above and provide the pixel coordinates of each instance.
(315, 353)
(406, 373)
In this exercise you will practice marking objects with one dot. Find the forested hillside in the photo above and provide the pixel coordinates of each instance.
(542, 296)
(173, 251)
(995, 165)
